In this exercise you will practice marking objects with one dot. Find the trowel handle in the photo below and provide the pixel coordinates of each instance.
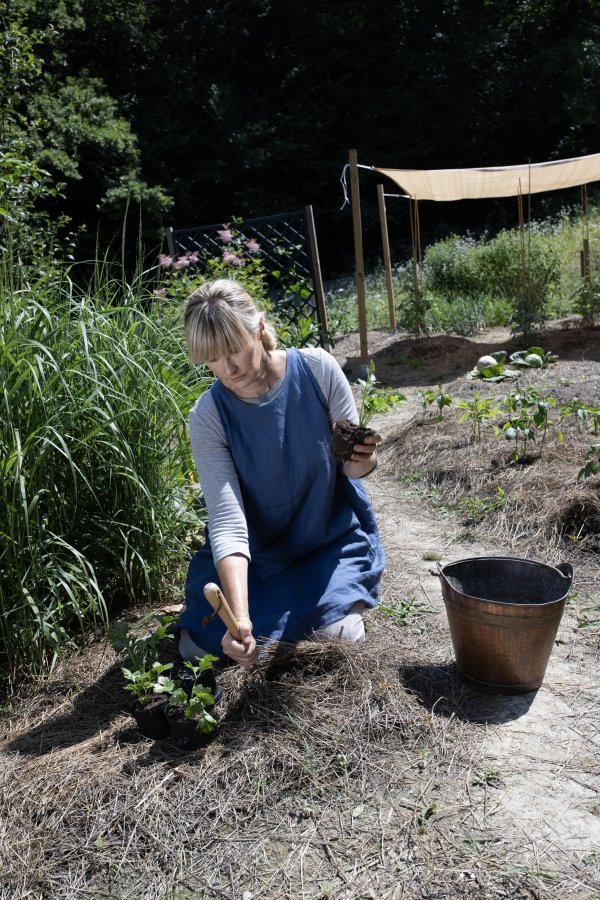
(216, 598)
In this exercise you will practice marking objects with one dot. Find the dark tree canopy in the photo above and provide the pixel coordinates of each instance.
(249, 108)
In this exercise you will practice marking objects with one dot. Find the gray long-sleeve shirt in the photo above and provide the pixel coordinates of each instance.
(216, 470)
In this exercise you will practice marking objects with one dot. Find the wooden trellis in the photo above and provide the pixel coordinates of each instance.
(288, 253)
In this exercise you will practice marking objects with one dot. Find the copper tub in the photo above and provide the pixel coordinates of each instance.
(504, 613)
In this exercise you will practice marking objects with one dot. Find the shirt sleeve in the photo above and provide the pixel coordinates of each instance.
(220, 485)
(333, 383)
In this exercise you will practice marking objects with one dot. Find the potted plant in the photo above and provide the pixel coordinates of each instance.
(190, 722)
(145, 674)
(149, 687)
(372, 400)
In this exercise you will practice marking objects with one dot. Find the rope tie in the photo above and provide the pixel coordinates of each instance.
(208, 619)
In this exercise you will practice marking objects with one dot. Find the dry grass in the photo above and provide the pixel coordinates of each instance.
(544, 510)
(335, 772)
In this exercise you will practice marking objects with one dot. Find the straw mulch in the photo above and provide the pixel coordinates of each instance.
(336, 771)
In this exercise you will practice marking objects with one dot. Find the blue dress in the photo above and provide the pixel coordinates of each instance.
(314, 543)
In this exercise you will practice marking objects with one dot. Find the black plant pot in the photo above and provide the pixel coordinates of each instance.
(207, 679)
(151, 720)
(184, 734)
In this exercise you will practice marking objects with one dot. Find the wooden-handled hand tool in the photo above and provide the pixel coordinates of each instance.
(217, 600)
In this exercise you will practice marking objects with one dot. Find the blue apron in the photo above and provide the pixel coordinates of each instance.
(314, 543)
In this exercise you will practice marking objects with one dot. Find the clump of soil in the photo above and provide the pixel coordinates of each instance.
(346, 435)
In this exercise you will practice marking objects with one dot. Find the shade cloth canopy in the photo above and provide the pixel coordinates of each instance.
(495, 181)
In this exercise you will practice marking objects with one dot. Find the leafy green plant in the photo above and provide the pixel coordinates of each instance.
(584, 414)
(534, 358)
(200, 699)
(528, 414)
(586, 299)
(145, 684)
(492, 367)
(140, 650)
(476, 507)
(487, 775)
(374, 400)
(439, 398)
(299, 333)
(402, 612)
(592, 466)
(478, 413)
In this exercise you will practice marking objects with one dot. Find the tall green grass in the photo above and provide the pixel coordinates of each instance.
(95, 471)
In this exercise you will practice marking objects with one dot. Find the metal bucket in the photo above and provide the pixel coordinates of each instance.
(504, 613)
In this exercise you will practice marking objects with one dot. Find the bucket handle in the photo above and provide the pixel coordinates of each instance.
(566, 570)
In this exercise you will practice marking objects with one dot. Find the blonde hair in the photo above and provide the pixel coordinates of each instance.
(220, 319)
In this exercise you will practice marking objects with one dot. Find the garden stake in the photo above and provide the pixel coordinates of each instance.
(217, 600)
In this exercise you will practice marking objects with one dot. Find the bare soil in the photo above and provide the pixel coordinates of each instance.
(348, 772)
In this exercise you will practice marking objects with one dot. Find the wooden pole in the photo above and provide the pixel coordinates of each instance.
(170, 243)
(315, 265)
(387, 262)
(358, 252)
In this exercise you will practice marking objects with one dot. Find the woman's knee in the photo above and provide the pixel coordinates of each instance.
(350, 627)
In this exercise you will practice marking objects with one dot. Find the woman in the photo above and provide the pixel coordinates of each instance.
(291, 536)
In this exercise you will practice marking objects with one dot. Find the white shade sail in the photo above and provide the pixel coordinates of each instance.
(495, 181)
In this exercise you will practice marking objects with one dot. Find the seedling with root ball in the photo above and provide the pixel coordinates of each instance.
(373, 401)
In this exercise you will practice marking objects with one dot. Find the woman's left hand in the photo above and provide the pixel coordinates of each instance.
(364, 457)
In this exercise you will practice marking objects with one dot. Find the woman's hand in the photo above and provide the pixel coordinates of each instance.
(244, 652)
(364, 457)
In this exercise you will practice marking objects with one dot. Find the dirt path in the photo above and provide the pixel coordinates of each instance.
(528, 783)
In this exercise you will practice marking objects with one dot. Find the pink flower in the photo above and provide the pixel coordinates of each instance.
(225, 234)
(160, 292)
(253, 246)
(181, 263)
(193, 258)
(233, 258)
(164, 260)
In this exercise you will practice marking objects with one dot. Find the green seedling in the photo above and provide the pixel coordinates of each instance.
(528, 413)
(201, 698)
(402, 612)
(487, 776)
(582, 412)
(145, 684)
(341, 762)
(140, 650)
(425, 813)
(374, 400)
(478, 413)
(476, 507)
(473, 845)
(430, 397)
(592, 466)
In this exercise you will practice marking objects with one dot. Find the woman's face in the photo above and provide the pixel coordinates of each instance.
(243, 372)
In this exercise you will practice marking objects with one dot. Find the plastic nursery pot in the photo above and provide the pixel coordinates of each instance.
(184, 734)
(345, 435)
(207, 679)
(151, 720)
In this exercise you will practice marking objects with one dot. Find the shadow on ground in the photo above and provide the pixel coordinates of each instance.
(440, 689)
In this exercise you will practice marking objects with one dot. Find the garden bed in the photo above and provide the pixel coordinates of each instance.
(347, 772)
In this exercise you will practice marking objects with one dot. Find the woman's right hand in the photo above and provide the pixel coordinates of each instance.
(244, 652)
